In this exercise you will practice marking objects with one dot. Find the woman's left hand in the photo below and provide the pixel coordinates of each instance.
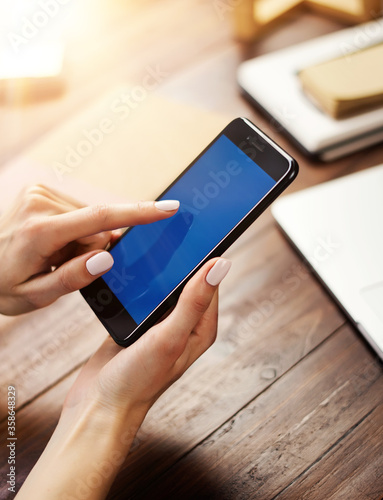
(126, 380)
(115, 389)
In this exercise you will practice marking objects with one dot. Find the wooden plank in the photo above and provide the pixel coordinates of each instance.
(59, 338)
(302, 417)
(40, 332)
(352, 469)
(244, 361)
(193, 408)
(41, 347)
(62, 336)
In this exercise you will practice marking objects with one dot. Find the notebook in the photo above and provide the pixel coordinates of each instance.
(272, 83)
(346, 85)
(338, 228)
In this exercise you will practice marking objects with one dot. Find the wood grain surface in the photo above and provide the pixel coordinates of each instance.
(288, 402)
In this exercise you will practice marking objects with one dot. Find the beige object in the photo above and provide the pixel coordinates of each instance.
(347, 84)
(253, 17)
(117, 149)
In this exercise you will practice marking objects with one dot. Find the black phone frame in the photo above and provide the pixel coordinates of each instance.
(258, 147)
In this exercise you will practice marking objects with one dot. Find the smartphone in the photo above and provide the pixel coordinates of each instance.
(221, 193)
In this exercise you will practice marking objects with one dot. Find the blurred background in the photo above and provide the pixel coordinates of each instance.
(70, 52)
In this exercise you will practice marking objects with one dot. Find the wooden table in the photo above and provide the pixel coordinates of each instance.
(288, 403)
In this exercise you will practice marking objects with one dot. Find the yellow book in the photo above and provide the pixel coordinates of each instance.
(346, 85)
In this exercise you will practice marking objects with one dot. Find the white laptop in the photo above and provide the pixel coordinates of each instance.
(338, 228)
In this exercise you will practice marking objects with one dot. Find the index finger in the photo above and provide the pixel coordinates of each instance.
(64, 228)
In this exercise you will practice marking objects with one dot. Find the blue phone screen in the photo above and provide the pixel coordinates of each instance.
(215, 194)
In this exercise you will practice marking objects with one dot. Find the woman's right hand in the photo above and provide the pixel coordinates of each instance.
(51, 244)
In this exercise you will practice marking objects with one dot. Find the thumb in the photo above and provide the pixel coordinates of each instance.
(70, 276)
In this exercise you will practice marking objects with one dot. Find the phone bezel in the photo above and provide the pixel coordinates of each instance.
(263, 151)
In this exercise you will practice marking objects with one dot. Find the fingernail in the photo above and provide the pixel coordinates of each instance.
(167, 205)
(218, 272)
(99, 263)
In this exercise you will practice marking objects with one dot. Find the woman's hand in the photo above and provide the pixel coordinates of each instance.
(124, 379)
(116, 388)
(51, 245)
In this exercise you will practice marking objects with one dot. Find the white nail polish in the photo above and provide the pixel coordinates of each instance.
(167, 205)
(218, 272)
(99, 263)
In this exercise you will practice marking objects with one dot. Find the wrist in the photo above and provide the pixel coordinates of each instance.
(84, 453)
(103, 426)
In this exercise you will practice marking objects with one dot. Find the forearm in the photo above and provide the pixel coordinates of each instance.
(82, 458)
